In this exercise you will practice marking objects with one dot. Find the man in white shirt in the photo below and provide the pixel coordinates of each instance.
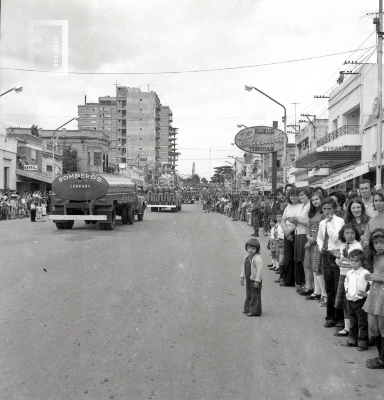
(356, 293)
(365, 188)
(329, 244)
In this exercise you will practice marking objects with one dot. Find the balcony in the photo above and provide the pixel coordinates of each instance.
(343, 130)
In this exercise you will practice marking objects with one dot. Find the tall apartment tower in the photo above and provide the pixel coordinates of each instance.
(101, 116)
(138, 126)
(164, 143)
(173, 154)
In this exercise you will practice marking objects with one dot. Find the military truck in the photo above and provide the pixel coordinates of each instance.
(162, 197)
(95, 198)
(188, 196)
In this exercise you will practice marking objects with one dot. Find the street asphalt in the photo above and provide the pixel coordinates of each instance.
(154, 311)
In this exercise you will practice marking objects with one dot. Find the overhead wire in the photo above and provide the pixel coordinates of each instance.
(181, 72)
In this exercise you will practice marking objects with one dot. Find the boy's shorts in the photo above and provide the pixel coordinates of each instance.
(279, 247)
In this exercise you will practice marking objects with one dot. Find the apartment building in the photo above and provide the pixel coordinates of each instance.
(138, 126)
(101, 116)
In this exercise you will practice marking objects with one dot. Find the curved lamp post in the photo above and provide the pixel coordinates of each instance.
(249, 88)
(17, 89)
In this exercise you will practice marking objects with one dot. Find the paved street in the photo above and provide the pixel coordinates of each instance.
(154, 311)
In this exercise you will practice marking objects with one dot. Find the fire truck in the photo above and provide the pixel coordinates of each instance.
(95, 199)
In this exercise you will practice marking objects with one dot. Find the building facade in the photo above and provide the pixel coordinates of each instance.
(8, 162)
(36, 161)
(343, 155)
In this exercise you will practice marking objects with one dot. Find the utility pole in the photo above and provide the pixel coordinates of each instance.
(295, 110)
(209, 174)
(379, 29)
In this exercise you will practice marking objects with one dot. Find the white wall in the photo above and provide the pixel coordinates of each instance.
(8, 151)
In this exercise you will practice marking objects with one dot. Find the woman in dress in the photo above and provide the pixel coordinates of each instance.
(312, 261)
(290, 215)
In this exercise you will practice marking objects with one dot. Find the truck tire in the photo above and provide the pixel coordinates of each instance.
(140, 217)
(87, 222)
(102, 226)
(110, 226)
(192, 202)
(176, 209)
(59, 225)
(131, 214)
(68, 224)
(124, 215)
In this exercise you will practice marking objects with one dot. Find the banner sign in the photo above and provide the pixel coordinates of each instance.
(260, 139)
(345, 176)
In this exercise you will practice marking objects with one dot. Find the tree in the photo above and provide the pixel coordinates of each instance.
(70, 160)
(195, 179)
(221, 173)
(204, 180)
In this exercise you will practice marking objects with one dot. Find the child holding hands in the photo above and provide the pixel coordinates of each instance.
(349, 237)
(356, 294)
(251, 273)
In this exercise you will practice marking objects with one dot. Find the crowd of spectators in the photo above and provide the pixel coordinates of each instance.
(28, 204)
(330, 246)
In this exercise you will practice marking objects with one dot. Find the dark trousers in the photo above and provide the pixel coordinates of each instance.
(358, 333)
(299, 273)
(288, 272)
(33, 215)
(253, 297)
(331, 279)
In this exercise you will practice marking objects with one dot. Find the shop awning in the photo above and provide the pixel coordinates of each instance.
(38, 176)
(353, 171)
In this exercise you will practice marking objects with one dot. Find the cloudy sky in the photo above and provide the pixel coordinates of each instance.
(139, 43)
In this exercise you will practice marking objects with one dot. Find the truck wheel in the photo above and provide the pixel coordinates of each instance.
(124, 215)
(68, 224)
(109, 226)
(131, 214)
(192, 202)
(87, 222)
(140, 217)
(102, 226)
(59, 225)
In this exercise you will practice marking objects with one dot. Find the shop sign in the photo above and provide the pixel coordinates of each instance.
(340, 148)
(260, 139)
(30, 167)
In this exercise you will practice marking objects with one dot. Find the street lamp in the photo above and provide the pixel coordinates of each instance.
(234, 173)
(17, 89)
(249, 88)
(53, 145)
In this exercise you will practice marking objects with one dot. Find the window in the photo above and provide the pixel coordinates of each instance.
(49, 168)
(93, 122)
(94, 116)
(33, 155)
(96, 158)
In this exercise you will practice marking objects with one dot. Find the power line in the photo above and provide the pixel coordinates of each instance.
(184, 72)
